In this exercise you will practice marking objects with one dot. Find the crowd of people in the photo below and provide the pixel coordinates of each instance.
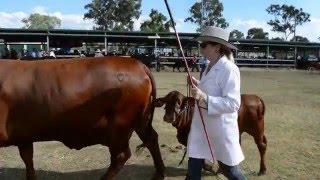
(196, 64)
(25, 54)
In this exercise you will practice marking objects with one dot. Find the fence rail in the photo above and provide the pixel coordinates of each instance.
(264, 62)
(241, 62)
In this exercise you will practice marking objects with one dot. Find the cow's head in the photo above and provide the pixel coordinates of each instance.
(176, 105)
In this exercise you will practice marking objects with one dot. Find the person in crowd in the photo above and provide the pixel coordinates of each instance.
(203, 62)
(195, 63)
(98, 53)
(52, 55)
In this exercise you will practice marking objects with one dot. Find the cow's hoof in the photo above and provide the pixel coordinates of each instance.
(104, 177)
(31, 176)
(139, 149)
(262, 172)
(158, 176)
(209, 168)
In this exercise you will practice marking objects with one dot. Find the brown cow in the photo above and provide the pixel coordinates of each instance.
(79, 102)
(179, 111)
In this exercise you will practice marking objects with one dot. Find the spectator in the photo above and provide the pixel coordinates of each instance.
(195, 63)
(52, 54)
(34, 53)
(157, 57)
(98, 53)
(203, 65)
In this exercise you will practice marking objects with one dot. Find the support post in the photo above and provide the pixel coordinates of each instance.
(48, 45)
(295, 57)
(105, 44)
(268, 52)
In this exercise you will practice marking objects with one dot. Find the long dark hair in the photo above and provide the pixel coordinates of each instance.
(224, 50)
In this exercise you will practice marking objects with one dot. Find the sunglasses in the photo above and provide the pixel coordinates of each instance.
(204, 44)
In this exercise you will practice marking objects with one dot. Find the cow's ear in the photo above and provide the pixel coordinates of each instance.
(159, 102)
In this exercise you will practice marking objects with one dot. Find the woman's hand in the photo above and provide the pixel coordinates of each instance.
(198, 94)
(194, 80)
(201, 96)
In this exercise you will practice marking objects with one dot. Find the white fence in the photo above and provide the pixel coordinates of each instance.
(242, 62)
(264, 62)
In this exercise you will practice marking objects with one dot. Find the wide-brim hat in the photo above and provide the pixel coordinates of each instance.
(215, 34)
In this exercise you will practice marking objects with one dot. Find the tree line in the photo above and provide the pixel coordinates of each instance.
(119, 15)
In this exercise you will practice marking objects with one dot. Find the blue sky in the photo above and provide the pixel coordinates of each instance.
(241, 15)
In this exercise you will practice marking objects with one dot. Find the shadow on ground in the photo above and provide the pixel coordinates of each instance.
(140, 172)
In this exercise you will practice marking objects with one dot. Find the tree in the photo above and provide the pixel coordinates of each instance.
(39, 21)
(158, 23)
(236, 34)
(212, 15)
(300, 39)
(287, 18)
(114, 15)
(257, 33)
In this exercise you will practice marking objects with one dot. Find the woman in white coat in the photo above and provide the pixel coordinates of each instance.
(218, 93)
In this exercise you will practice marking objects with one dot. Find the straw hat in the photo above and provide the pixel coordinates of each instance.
(215, 34)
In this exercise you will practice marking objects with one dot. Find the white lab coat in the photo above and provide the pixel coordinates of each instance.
(222, 85)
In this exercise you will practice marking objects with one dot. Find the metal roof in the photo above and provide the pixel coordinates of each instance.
(73, 37)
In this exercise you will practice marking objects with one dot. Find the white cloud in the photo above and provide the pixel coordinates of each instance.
(12, 20)
(311, 30)
(137, 22)
(245, 25)
(68, 21)
(73, 21)
(182, 26)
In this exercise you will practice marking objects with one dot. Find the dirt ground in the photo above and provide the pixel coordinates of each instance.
(292, 127)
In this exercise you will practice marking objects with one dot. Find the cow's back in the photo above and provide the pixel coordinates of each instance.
(76, 101)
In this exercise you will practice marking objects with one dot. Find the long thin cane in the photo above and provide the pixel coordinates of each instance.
(190, 77)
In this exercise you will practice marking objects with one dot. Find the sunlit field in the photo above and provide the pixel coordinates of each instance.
(292, 127)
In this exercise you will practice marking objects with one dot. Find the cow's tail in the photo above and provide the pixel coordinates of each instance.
(262, 109)
(153, 101)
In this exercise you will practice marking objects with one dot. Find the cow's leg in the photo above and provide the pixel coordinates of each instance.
(208, 167)
(261, 142)
(3, 122)
(119, 156)
(26, 153)
(152, 144)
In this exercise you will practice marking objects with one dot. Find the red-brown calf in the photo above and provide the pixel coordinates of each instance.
(179, 111)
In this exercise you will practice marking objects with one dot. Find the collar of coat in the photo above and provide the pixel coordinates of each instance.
(220, 63)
